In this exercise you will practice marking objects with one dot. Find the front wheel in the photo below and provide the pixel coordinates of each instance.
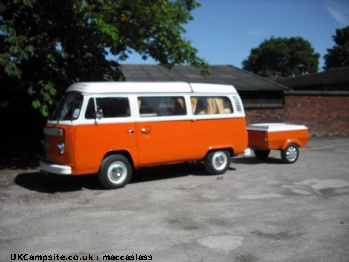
(217, 162)
(115, 172)
(290, 154)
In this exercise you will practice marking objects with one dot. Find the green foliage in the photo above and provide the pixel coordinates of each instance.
(47, 45)
(286, 57)
(338, 56)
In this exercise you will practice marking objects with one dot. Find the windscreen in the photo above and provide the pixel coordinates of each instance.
(69, 107)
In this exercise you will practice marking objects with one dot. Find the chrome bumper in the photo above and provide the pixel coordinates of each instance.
(54, 168)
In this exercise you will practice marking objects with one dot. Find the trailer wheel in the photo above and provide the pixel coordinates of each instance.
(217, 162)
(290, 154)
(261, 154)
(115, 172)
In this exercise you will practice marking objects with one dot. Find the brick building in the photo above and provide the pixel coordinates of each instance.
(320, 100)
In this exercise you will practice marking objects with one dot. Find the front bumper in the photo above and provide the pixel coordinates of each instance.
(54, 168)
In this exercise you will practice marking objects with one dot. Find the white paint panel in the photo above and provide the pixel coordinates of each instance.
(212, 88)
(130, 87)
(149, 87)
(275, 127)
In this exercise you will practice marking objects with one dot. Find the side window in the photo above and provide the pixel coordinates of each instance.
(109, 106)
(208, 105)
(161, 106)
(90, 110)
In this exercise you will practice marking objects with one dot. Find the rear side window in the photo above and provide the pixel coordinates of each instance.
(109, 107)
(208, 105)
(161, 106)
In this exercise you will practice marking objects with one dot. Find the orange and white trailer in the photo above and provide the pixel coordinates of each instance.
(112, 128)
(287, 138)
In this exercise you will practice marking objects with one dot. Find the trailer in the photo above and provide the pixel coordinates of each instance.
(287, 138)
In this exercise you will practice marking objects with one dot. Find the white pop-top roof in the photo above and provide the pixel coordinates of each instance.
(149, 87)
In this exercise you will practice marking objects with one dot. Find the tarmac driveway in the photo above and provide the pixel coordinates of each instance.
(257, 211)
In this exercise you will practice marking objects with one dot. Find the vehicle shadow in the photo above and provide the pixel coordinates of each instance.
(251, 160)
(169, 171)
(42, 183)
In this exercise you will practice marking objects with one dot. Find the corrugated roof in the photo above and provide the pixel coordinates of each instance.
(220, 74)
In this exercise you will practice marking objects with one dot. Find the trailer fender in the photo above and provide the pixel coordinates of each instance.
(289, 142)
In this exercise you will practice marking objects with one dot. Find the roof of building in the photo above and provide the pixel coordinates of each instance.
(220, 74)
(326, 79)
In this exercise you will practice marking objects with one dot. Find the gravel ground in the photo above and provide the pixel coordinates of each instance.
(257, 211)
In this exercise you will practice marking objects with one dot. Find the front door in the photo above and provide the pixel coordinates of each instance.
(112, 130)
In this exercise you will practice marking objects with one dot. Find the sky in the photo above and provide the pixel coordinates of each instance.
(225, 31)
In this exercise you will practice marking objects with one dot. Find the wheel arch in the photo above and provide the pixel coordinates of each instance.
(124, 153)
(229, 149)
(289, 142)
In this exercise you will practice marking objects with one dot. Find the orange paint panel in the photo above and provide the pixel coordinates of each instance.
(92, 142)
(164, 142)
(149, 143)
(256, 139)
(277, 140)
(52, 140)
(219, 133)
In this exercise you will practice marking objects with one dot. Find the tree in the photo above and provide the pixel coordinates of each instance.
(338, 56)
(47, 45)
(287, 57)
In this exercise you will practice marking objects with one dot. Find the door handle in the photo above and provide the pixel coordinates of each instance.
(146, 130)
(131, 131)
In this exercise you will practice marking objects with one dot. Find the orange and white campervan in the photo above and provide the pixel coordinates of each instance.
(111, 128)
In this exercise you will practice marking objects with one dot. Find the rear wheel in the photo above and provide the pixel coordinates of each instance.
(217, 162)
(115, 172)
(261, 154)
(290, 154)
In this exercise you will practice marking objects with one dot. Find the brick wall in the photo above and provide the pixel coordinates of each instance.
(326, 114)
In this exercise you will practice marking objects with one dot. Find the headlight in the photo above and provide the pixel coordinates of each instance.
(61, 148)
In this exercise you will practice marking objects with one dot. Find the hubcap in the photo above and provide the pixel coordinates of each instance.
(219, 161)
(117, 172)
(291, 154)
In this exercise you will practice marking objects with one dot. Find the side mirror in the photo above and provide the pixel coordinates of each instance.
(99, 114)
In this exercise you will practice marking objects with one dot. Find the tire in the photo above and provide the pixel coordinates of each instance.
(115, 172)
(261, 154)
(290, 154)
(217, 162)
